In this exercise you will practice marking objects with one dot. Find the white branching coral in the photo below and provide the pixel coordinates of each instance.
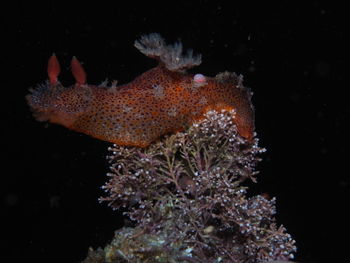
(185, 195)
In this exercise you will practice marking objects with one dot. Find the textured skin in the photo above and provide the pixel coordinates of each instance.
(162, 100)
(156, 103)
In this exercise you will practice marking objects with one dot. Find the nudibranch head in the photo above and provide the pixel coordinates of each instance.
(162, 100)
(52, 102)
(58, 104)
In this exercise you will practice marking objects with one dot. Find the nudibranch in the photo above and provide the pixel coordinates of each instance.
(164, 99)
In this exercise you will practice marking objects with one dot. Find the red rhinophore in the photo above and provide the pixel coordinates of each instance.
(53, 69)
(78, 71)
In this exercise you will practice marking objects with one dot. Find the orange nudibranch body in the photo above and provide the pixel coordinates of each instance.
(162, 100)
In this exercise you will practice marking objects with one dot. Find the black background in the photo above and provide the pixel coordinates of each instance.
(291, 54)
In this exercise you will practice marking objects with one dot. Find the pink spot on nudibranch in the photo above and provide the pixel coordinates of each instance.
(199, 79)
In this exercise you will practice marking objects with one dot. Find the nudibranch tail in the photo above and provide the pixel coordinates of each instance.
(164, 99)
(153, 45)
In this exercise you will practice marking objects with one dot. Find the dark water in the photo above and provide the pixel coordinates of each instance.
(291, 55)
